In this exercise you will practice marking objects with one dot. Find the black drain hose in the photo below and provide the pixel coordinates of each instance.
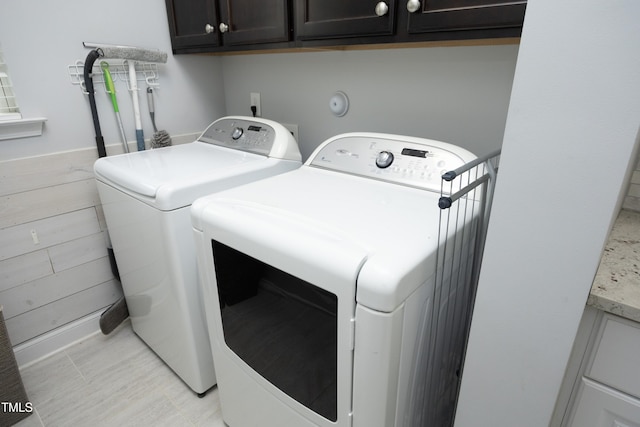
(88, 83)
(102, 152)
(118, 311)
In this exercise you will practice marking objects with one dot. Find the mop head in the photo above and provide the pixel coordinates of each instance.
(132, 53)
(114, 316)
(160, 139)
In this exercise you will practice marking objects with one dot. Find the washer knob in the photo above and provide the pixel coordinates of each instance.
(384, 159)
(237, 133)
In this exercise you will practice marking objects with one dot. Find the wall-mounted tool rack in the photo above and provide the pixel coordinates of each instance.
(145, 72)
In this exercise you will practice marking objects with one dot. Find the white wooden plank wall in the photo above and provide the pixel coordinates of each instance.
(54, 267)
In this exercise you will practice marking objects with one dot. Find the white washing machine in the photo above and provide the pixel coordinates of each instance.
(146, 197)
(318, 284)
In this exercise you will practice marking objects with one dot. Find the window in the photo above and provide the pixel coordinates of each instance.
(8, 106)
(12, 125)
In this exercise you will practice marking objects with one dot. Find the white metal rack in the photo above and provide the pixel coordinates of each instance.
(145, 72)
(465, 201)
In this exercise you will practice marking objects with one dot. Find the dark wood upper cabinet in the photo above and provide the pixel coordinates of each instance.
(234, 25)
(245, 22)
(192, 23)
(452, 15)
(325, 19)
(215, 25)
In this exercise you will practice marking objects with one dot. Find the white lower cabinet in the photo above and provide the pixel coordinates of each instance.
(604, 382)
(601, 406)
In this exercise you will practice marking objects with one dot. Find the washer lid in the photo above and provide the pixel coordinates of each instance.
(169, 177)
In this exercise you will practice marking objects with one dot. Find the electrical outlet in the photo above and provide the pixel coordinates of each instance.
(293, 129)
(255, 101)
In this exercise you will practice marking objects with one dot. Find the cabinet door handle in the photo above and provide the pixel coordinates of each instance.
(413, 6)
(381, 8)
(209, 28)
(223, 27)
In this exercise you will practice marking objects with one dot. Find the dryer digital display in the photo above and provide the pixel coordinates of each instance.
(414, 153)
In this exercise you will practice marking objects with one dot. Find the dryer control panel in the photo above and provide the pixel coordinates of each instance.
(416, 162)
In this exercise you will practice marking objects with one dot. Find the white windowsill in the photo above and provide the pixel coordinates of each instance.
(21, 128)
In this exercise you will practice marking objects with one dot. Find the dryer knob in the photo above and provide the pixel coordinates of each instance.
(237, 133)
(384, 159)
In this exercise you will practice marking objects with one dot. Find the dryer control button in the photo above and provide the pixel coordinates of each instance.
(384, 159)
(237, 133)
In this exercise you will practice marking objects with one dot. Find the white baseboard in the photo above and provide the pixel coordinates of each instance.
(52, 342)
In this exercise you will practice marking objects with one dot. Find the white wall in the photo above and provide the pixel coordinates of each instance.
(568, 149)
(455, 94)
(41, 38)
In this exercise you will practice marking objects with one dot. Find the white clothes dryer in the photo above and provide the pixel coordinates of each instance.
(146, 197)
(317, 286)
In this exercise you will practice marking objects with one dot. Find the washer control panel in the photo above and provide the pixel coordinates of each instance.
(415, 162)
(241, 134)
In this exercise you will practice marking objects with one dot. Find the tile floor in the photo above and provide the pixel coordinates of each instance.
(113, 380)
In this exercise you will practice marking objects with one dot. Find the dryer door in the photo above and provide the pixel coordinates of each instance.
(285, 292)
(283, 327)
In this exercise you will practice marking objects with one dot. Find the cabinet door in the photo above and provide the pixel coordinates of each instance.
(253, 22)
(615, 361)
(601, 406)
(324, 19)
(444, 15)
(192, 23)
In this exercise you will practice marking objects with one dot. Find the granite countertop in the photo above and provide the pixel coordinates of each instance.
(616, 287)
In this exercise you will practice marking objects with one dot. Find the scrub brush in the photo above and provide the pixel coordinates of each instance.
(160, 138)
